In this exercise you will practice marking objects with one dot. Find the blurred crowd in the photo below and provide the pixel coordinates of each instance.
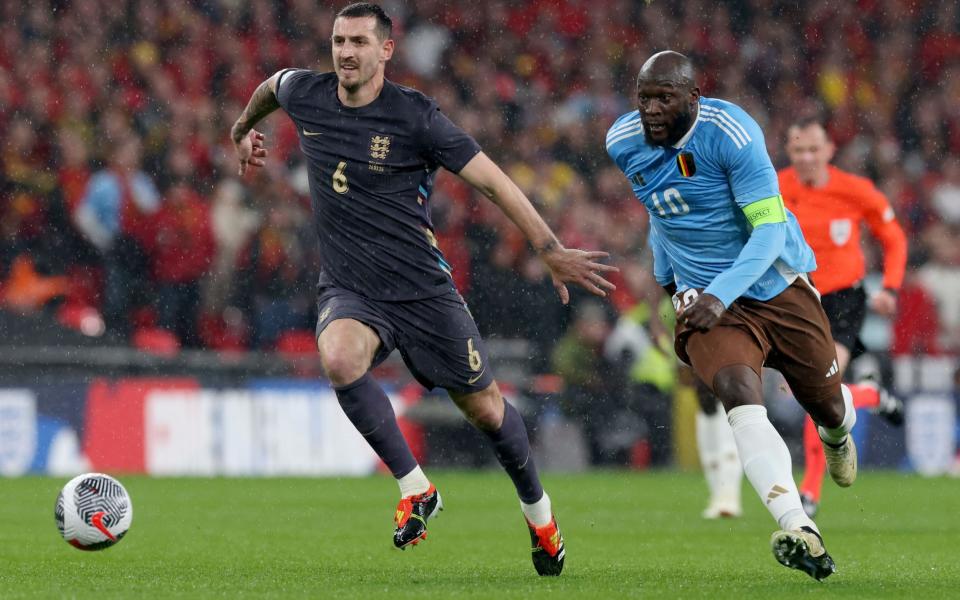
(119, 202)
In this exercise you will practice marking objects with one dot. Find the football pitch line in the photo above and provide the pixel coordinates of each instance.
(628, 535)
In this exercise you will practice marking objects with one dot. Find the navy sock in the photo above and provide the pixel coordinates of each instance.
(512, 447)
(369, 409)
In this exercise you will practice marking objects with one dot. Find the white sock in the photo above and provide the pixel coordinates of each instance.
(836, 435)
(718, 456)
(539, 513)
(730, 473)
(766, 461)
(708, 447)
(413, 483)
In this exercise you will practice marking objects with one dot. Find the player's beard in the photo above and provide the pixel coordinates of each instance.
(352, 87)
(361, 80)
(677, 129)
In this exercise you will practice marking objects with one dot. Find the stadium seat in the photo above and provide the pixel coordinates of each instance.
(217, 335)
(297, 342)
(143, 317)
(85, 283)
(300, 349)
(156, 340)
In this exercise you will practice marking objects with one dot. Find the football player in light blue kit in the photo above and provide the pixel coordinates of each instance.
(736, 262)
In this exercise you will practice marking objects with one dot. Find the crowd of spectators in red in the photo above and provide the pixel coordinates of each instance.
(118, 193)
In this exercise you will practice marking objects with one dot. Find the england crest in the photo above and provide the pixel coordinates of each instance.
(379, 146)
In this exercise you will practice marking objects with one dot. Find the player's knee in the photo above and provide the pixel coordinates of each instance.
(343, 363)
(483, 410)
(346, 351)
(341, 370)
(486, 417)
(737, 386)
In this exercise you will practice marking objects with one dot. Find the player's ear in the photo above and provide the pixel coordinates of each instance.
(831, 150)
(386, 50)
(694, 93)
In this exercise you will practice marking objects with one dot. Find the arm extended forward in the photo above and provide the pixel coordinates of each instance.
(566, 265)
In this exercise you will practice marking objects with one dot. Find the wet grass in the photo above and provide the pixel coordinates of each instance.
(628, 535)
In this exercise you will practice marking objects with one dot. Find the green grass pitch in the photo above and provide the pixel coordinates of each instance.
(627, 534)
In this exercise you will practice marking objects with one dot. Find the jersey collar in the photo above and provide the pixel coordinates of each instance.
(686, 137)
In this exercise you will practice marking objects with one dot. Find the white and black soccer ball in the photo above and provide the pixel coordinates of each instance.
(93, 511)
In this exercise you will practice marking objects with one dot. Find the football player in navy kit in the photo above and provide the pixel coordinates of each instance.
(373, 149)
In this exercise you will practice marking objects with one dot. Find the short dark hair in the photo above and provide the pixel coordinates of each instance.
(808, 121)
(367, 9)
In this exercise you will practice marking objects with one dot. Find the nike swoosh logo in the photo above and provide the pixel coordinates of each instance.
(97, 521)
(473, 380)
(311, 133)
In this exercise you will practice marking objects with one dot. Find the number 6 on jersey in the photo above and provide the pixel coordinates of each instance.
(473, 355)
(340, 179)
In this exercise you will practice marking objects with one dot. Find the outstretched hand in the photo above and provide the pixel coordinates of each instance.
(250, 150)
(703, 313)
(570, 265)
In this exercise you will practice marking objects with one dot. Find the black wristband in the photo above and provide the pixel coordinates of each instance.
(551, 245)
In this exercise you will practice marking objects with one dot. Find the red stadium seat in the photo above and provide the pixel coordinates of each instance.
(297, 342)
(156, 340)
(85, 284)
(300, 349)
(143, 317)
(217, 335)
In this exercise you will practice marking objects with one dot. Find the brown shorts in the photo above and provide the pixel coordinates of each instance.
(789, 333)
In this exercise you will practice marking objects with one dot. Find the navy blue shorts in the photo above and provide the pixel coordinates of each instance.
(437, 337)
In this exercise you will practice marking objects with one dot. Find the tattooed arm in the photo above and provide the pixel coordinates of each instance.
(247, 140)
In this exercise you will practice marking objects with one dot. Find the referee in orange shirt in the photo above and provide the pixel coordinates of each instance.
(831, 205)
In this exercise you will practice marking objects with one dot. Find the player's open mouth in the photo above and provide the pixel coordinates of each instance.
(656, 127)
(348, 67)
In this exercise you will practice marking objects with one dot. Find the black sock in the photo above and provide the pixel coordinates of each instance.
(369, 409)
(512, 447)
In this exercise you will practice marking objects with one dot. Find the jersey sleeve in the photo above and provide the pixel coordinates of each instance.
(287, 82)
(761, 250)
(618, 156)
(619, 137)
(444, 143)
(883, 224)
(743, 154)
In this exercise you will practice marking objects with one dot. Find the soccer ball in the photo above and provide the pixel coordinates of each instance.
(93, 511)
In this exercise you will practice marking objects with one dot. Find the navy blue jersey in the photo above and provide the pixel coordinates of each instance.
(371, 171)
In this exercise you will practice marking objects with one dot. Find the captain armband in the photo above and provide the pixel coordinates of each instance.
(768, 210)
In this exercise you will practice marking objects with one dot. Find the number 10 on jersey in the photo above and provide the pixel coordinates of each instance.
(674, 201)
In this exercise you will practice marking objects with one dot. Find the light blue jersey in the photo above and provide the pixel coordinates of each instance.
(717, 220)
